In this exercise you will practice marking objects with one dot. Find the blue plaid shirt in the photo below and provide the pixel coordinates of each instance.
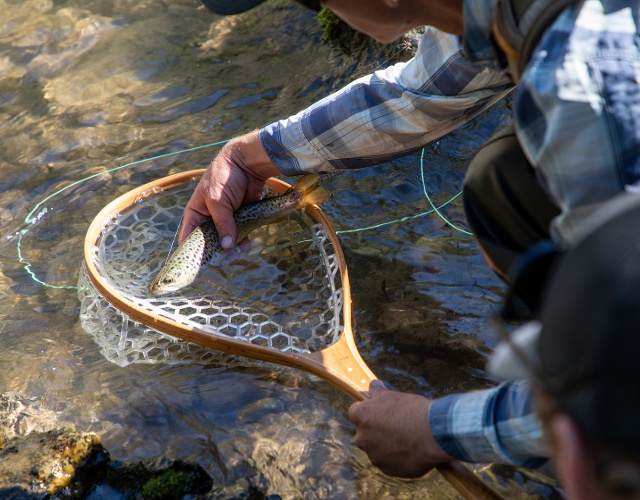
(577, 113)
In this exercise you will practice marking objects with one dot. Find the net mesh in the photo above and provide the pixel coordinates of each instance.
(285, 293)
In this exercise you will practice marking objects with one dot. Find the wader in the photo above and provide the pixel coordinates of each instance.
(505, 205)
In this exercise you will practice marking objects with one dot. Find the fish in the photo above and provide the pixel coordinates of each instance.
(203, 248)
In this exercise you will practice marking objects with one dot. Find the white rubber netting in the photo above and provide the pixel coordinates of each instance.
(284, 293)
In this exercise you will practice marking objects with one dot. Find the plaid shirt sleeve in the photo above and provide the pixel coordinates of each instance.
(577, 109)
(493, 425)
(390, 113)
(576, 113)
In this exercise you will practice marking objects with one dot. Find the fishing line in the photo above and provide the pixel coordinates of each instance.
(175, 237)
(31, 219)
(361, 229)
(437, 210)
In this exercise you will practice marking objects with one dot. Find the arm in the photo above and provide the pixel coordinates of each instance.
(388, 114)
(492, 425)
(407, 435)
(372, 120)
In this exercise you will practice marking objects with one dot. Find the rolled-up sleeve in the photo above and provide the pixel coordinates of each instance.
(388, 114)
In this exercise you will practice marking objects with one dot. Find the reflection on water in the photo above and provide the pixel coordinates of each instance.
(89, 86)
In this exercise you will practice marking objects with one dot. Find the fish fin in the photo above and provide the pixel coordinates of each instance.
(312, 193)
(247, 228)
(318, 195)
(278, 220)
(306, 183)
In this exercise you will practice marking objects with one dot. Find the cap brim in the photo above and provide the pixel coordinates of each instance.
(230, 7)
(507, 364)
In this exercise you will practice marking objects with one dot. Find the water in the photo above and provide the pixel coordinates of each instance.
(86, 87)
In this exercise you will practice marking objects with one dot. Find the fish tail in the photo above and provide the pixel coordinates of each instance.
(318, 195)
(306, 183)
(312, 193)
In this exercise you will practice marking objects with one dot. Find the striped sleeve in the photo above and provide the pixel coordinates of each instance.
(488, 426)
(388, 114)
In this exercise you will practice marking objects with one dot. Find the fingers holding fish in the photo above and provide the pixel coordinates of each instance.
(203, 246)
(219, 193)
(235, 177)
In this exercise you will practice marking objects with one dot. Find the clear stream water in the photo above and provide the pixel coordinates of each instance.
(87, 86)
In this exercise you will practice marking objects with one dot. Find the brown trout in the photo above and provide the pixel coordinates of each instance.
(202, 247)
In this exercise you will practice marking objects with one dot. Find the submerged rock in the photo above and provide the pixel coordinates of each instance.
(343, 37)
(153, 479)
(20, 415)
(58, 463)
(65, 464)
(38, 461)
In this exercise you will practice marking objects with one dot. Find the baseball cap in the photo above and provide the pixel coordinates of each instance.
(230, 7)
(583, 348)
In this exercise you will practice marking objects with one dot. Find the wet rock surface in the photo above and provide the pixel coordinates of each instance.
(41, 462)
(20, 415)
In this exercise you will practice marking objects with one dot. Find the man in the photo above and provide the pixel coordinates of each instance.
(582, 355)
(574, 145)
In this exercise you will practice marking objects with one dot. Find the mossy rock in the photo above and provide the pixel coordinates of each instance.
(53, 464)
(352, 42)
(168, 484)
(157, 479)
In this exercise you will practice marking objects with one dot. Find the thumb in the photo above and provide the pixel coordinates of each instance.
(192, 218)
(185, 230)
(376, 387)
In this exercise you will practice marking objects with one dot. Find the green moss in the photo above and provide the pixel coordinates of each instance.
(339, 34)
(168, 485)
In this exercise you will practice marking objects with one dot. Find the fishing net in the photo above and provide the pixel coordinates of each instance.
(284, 293)
(287, 301)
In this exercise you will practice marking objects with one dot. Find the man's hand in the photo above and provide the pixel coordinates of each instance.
(393, 430)
(235, 177)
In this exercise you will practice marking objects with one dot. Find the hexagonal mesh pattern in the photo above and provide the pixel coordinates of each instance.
(284, 293)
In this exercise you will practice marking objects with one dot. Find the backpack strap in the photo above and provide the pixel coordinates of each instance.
(518, 26)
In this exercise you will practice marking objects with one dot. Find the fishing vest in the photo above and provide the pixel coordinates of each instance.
(518, 26)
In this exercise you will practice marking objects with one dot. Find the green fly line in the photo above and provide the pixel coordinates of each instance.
(38, 211)
(433, 207)
(32, 219)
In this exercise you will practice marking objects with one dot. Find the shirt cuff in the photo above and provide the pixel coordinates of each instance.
(491, 426)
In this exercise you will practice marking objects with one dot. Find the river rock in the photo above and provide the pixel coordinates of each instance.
(54, 462)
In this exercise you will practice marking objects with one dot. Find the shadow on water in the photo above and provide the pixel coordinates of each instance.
(89, 86)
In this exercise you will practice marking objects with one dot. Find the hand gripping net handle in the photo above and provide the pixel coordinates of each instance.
(339, 363)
